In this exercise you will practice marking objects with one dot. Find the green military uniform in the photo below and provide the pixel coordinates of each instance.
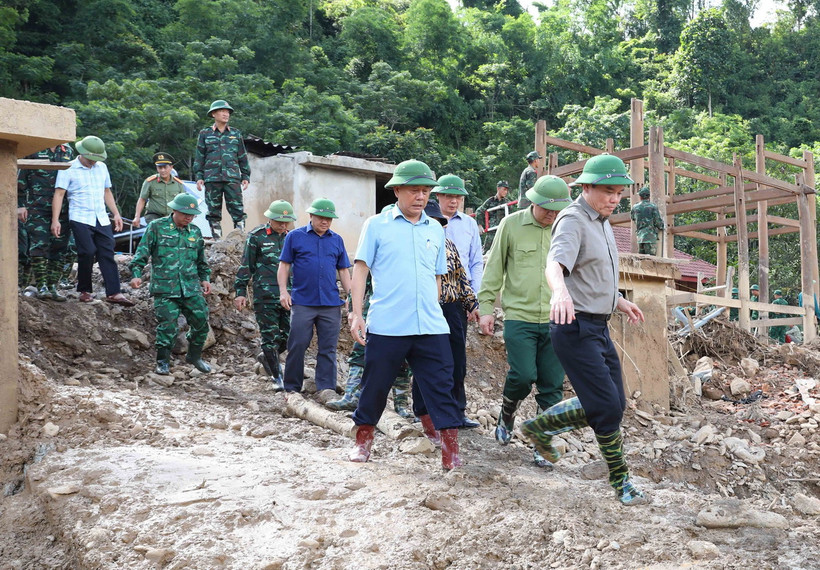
(754, 298)
(493, 219)
(222, 163)
(178, 269)
(733, 313)
(260, 262)
(158, 194)
(527, 181)
(45, 253)
(648, 222)
(778, 333)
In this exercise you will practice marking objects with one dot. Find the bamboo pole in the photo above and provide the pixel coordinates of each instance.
(742, 246)
(762, 231)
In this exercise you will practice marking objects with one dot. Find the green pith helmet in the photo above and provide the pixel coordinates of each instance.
(92, 148)
(323, 207)
(412, 173)
(778, 292)
(533, 156)
(735, 291)
(217, 105)
(450, 184)
(280, 211)
(604, 169)
(644, 192)
(754, 287)
(185, 203)
(550, 192)
(503, 184)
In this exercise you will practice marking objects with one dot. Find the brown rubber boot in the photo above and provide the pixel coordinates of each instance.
(449, 449)
(364, 441)
(430, 430)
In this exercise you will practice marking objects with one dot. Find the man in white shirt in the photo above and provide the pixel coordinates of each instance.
(88, 187)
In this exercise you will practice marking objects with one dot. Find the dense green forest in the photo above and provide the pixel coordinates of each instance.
(459, 88)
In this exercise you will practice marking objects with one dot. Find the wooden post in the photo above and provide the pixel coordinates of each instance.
(657, 188)
(722, 250)
(636, 166)
(553, 161)
(808, 259)
(809, 180)
(610, 146)
(762, 233)
(541, 145)
(742, 245)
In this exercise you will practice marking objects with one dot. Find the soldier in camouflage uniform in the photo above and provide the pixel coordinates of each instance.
(35, 192)
(179, 277)
(528, 177)
(494, 217)
(778, 333)
(158, 190)
(648, 223)
(733, 313)
(260, 262)
(221, 167)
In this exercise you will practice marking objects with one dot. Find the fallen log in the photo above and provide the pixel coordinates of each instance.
(299, 406)
(396, 427)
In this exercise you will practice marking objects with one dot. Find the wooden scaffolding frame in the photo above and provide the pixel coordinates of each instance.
(735, 191)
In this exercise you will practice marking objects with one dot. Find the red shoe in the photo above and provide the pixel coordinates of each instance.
(86, 297)
(430, 430)
(364, 441)
(449, 449)
(120, 299)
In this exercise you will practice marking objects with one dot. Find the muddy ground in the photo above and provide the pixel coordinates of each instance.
(112, 467)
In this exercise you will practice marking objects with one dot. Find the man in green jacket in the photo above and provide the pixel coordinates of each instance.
(179, 277)
(260, 262)
(157, 191)
(515, 268)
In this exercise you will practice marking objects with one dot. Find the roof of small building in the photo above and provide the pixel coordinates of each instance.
(261, 147)
(689, 267)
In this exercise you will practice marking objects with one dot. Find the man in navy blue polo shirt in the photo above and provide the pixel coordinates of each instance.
(316, 255)
(404, 249)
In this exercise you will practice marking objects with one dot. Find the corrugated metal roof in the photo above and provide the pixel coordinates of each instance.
(263, 148)
(689, 268)
(363, 155)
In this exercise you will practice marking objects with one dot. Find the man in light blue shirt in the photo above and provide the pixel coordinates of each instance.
(404, 250)
(461, 229)
(87, 185)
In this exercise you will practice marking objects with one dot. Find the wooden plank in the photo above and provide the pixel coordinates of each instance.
(694, 175)
(742, 242)
(751, 199)
(783, 158)
(691, 298)
(786, 321)
(719, 191)
(762, 223)
(576, 167)
(37, 164)
(810, 325)
(774, 232)
(569, 145)
(700, 235)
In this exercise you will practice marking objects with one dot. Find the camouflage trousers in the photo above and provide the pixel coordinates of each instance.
(233, 201)
(274, 325)
(40, 255)
(39, 239)
(167, 311)
(648, 248)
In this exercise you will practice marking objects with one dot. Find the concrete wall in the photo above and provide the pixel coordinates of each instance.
(351, 183)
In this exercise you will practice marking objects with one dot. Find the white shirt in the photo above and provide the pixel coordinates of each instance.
(85, 189)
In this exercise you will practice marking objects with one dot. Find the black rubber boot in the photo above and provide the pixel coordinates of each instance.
(194, 357)
(274, 368)
(163, 361)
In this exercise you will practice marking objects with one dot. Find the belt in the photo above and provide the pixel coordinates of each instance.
(593, 317)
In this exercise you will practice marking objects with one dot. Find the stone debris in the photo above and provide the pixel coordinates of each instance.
(732, 513)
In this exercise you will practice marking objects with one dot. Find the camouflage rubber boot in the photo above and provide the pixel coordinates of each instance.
(194, 357)
(562, 417)
(240, 226)
(53, 277)
(274, 368)
(39, 271)
(23, 275)
(539, 459)
(612, 448)
(353, 388)
(216, 231)
(506, 420)
(401, 397)
(66, 270)
(163, 361)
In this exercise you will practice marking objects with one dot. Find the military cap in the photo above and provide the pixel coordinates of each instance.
(644, 192)
(280, 211)
(502, 184)
(323, 207)
(533, 156)
(162, 158)
(185, 203)
(217, 105)
(92, 148)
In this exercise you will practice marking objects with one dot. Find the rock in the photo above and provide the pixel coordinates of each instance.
(266, 430)
(783, 415)
(165, 381)
(325, 396)
(740, 387)
(416, 445)
(68, 489)
(702, 549)
(732, 513)
(159, 556)
(712, 392)
(50, 429)
(806, 505)
(750, 367)
(437, 502)
(704, 435)
(136, 337)
(797, 440)
(742, 450)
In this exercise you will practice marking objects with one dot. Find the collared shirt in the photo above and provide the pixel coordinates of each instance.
(85, 190)
(158, 193)
(404, 259)
(515, 267)
(315, 259)
(462, 230)
(584, 244)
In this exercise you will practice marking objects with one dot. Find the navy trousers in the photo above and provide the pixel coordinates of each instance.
(588, 356)
(457, 320)
(95, 242)
(303, 319)
(432, 365)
